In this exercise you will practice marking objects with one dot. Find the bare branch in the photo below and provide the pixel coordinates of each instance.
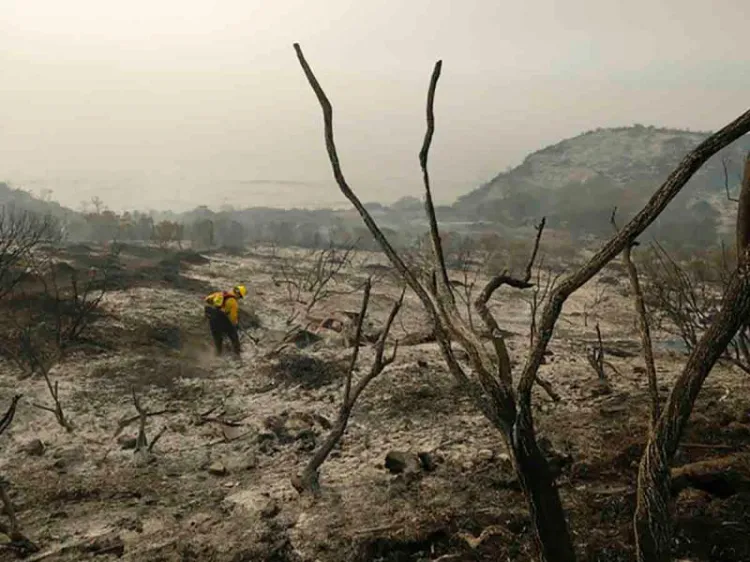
(128, 421)
(595, 356)
(643, 328)
(357, 341)
(489, 385)
(40, 364)
(743, 213)
(344, 186)
(504, 279)
(437, 246)
(9, 414)
(535, 250)
(480, 304)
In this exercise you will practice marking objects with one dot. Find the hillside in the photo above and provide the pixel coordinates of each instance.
(577, 181)
(23, 200)
(574, 183)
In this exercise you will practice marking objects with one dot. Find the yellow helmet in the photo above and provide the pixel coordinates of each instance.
(240, 291)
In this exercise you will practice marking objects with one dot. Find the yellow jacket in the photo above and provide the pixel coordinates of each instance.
(227, 302)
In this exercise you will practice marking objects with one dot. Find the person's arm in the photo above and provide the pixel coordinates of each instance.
(233, 311)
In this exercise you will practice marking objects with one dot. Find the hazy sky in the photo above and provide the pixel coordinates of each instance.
(174, 103)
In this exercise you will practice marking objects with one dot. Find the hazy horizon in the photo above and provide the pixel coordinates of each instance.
(176, 104)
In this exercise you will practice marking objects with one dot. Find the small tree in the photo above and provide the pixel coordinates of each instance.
(312, 278)
(167, 232)
(52, 314)
(308, 480)
(21, 234)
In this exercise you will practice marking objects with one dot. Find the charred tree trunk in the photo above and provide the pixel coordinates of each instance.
(743, 211)
(310, 477)
(538, 484)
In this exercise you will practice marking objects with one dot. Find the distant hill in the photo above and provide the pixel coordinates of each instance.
(578, 181)
(23, 200)
(574, 183)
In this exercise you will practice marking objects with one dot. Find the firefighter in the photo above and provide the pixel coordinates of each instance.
(222, 311)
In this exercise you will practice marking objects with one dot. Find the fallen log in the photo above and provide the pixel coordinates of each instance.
(721, 477)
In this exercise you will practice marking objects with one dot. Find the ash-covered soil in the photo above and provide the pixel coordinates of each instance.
(215, 486)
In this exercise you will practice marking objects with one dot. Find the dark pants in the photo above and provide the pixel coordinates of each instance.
(220, 326)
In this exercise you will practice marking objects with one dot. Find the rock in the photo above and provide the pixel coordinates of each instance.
(106, 544)
(397, 462)
(217, 469)
(427, 461)
(614, 409)
(505, 459)
(737, 430)
(150, 499)
(275, 424)
(34, 448)
(265, 436)
(307, 440)
(270, 510)
(246, 461)
(298, 427)
(127, 442)
(67, 458)
(545, 446)
(485, 455)
(724, 418)
(231, 433)
(323, 421)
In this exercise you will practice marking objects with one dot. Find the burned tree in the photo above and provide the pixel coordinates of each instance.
(309, 479)
(684, 299)
(311, 279)
(644, 328)
(489, 381)
(21, 234)
(143, 447)
(652, 520)
(49, 311)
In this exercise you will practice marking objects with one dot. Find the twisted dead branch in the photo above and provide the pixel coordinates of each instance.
(492, 390)
(643, 327)
(142, 443)
(7, 418)
(308, 480)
